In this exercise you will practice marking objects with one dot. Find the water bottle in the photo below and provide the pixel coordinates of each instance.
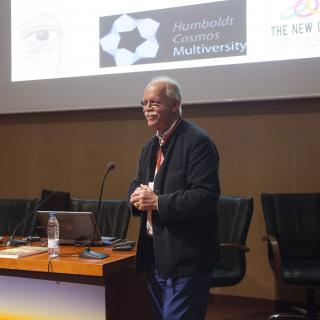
(53, 236)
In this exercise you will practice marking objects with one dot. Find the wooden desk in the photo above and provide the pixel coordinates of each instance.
(124, 294)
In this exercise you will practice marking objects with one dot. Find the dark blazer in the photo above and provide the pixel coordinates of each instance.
(185, 236)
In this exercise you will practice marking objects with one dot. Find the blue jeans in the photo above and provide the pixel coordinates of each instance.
(180, 298)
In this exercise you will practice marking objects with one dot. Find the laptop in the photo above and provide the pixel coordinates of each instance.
(74, 227)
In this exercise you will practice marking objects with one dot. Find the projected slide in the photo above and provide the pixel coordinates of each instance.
(58, 38)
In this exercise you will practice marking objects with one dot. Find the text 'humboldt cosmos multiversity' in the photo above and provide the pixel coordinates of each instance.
(206, 31)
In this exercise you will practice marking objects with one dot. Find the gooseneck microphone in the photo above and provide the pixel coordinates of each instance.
(16, 242)
(110, 166)
(88, 253)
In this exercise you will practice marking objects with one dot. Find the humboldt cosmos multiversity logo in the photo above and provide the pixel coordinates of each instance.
(147, 29)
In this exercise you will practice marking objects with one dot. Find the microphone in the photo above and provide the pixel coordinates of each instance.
(17, 242)
(88, 253)
(110, 166)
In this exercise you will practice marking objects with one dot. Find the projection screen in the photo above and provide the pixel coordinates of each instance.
(92, 54)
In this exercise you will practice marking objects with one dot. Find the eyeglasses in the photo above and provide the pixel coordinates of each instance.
(150, 104)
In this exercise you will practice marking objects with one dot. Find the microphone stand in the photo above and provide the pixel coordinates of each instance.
(110, 166)
(88, 253)
(16, 242)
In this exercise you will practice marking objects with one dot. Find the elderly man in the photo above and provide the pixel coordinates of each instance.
(175, 193)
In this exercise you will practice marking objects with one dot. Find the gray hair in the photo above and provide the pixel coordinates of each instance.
(173, 89)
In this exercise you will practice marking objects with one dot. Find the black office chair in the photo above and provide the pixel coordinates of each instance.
(17, 213)
(293, 236)
(50, 200)
(234, 217)
(54, 200)
(113, 218)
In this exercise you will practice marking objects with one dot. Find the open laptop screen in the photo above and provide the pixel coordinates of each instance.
(74, 227)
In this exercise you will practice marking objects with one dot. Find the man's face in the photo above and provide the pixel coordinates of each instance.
(159, 109)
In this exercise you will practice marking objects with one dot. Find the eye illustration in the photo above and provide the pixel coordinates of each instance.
(41, 40)
(42, 36)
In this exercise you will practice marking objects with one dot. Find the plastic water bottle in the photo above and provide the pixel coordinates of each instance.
(53, 236)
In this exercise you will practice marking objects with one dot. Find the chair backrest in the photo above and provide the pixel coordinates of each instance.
(13, 212)
(114, 216)
(234, 217)
(54, 200)
(294, 220)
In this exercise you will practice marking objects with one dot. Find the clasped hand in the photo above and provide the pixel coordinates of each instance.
(143, 198)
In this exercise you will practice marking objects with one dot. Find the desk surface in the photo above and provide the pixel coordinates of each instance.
(70, 263)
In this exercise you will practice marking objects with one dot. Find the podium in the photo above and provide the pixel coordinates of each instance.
(70, 288)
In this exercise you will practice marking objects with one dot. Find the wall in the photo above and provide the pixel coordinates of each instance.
(271, 146)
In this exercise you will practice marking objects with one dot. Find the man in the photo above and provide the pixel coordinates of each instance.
(175, 194)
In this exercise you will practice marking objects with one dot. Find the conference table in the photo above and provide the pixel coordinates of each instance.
(69, 287)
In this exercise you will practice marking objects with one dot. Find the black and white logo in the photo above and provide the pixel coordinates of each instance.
(113, 44)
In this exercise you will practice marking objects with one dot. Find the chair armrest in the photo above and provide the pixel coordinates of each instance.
(273, 242)
(235, 245)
